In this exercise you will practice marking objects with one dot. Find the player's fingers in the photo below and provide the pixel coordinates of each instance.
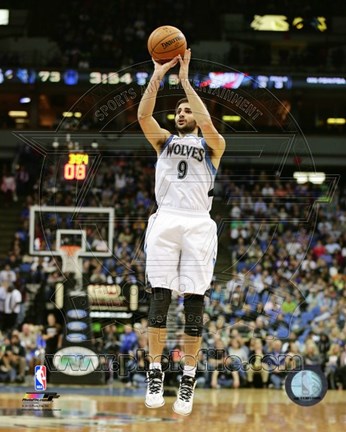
(173, 62)
(181, 60)
(187, 54)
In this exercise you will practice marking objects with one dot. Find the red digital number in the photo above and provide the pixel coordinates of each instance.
(80, 172)
(74, 172)
(69, 171)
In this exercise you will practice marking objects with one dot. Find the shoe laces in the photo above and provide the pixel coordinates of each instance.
(155, 381)
(186, 388)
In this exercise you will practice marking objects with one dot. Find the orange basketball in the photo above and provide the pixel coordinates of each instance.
(165, 43)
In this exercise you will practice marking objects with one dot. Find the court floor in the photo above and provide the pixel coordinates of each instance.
(121, 409)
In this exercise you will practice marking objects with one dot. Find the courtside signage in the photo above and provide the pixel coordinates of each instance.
(75, 361)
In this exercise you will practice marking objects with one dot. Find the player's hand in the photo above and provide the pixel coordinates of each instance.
(184, 65)
(161, 69)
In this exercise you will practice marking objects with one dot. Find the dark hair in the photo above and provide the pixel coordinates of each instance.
(180, 101)
(183, 100)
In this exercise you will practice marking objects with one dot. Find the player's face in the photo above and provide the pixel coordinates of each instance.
(184, 120)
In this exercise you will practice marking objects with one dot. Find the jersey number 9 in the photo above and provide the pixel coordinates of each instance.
(182, 169)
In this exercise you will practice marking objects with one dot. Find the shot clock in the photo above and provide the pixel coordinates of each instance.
(76, 167)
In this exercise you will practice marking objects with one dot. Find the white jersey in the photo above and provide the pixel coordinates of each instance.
(185, 175)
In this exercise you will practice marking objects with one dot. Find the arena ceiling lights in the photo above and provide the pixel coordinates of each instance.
(4, 16)
(231, 118)
(282, 23)
(336, 121)
(69, 114)
(312, 177)
(17, 113)
(270, 23)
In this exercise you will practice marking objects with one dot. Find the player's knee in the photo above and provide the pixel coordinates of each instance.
(193, 309)
(194, 329)
(158, 309)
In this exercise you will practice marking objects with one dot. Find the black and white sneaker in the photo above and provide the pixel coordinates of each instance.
(183, 404)
(154, 396)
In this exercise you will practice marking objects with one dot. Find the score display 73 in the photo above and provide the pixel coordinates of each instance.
(76, 167)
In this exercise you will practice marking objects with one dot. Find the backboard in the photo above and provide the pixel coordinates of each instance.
(90, 228)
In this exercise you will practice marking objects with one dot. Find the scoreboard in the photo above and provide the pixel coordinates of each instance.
(209, 78)
(76, 166)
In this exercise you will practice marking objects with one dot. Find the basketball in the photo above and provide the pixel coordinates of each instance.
(165, 43)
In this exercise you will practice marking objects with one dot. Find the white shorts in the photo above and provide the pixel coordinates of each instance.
(181, 249)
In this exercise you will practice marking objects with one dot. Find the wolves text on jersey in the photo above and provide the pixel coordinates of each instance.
(186, 150)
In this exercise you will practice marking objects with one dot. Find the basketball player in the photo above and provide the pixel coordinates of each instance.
(181, 240)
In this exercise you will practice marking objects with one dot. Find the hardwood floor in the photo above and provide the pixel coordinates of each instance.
(242, 410)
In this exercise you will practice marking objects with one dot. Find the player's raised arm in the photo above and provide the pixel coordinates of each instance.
(212, 137)
(150, 127)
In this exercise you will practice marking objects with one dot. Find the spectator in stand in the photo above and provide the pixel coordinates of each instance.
(5, 365)
(120, 181)
(16, 355)
(340, 373)
(28, 337)
(289, 305)
(294, 356)
(8, 275)
(14, 258)
(52, 336)
(256, 366)
(332, 246)
(138, 364)
(240, 355)
(319, 249)
(128, 344)
(260, 207)
(99, 244)
(332, 364)
(8, 187)
(126, 236)
(22, 181)
(276, 365)
(323, 345)
(216, 354)
(13, 301)
(3, 292)
(311, 354)
(268, 190)
(97, 275)
(225, 371)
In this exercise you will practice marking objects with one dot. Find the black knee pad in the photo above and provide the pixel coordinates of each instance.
(194, 309)
(160, 300)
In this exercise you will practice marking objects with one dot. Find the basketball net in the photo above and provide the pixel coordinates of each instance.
(71, 263)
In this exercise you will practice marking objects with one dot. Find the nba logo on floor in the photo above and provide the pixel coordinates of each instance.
(40, 378)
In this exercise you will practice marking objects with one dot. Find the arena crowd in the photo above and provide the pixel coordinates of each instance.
(284, 291)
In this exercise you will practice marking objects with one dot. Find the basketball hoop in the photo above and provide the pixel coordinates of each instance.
(71, 262)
